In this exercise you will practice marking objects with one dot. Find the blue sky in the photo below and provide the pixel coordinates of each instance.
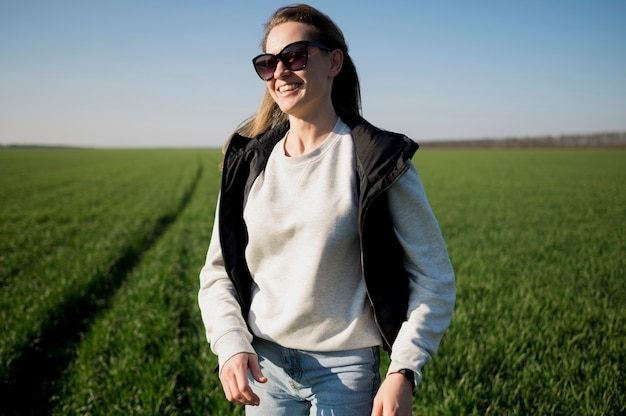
(178, 74)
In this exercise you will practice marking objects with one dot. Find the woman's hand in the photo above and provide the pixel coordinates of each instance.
(394, 397)
(234, 378)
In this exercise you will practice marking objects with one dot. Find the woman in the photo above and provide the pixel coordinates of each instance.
(325, 245)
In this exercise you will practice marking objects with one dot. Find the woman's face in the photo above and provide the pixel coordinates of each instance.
(301, 93)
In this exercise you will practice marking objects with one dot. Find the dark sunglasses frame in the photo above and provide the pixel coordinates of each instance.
(284, 57)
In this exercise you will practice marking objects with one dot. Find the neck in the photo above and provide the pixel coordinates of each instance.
(307, 134)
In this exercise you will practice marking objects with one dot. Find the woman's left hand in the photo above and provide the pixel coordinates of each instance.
(394, 397)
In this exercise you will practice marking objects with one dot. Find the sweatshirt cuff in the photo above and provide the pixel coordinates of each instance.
(232, 343)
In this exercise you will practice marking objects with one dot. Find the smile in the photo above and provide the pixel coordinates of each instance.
(288, 87)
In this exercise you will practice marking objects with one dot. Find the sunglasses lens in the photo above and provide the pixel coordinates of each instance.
(265, 66)
(295, 57)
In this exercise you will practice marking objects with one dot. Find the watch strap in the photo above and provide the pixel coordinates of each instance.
(409, 375)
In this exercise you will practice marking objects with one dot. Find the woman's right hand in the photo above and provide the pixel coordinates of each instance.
(234, 378)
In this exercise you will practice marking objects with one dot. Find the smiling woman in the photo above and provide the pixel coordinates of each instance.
(323, 35)
(354, 260)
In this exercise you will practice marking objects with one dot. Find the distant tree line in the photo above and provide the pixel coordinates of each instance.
(598, 140)
(37, 146)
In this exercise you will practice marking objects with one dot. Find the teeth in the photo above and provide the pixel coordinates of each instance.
(288, 87)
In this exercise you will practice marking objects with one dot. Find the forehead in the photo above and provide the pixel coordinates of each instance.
(285, 33)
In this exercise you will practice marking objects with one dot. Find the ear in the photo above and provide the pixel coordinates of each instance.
(336, 63)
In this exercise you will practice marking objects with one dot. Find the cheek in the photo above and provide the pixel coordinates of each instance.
(270, 90)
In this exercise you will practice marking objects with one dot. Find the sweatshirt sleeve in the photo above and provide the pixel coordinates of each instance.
(226, 329)
(431, 276)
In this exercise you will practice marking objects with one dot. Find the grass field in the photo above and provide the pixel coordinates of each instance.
(100, 252)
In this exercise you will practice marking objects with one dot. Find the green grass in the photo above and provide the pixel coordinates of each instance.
(70, 221)
(147, 354)
(100, 252)
(538, 240)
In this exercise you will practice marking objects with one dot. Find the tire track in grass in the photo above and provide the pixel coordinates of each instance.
(32, 386)
(147, 354)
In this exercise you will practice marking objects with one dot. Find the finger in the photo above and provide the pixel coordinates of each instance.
(246, 395)
(234, 385)
(255, 369)
(237, 391)
(226, 385)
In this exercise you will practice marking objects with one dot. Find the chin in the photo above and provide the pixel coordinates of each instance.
(287, 109)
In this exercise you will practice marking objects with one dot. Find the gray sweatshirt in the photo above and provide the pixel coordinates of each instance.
(308, 289)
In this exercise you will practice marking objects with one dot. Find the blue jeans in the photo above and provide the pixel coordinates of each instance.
(300, 383)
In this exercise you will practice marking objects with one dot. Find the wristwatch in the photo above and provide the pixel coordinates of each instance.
(409, 374)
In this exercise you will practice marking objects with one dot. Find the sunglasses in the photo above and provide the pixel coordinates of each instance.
(294, 56)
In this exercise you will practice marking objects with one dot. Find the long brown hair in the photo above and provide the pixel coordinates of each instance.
(346, 91)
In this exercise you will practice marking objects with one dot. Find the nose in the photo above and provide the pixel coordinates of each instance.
(281, 70)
